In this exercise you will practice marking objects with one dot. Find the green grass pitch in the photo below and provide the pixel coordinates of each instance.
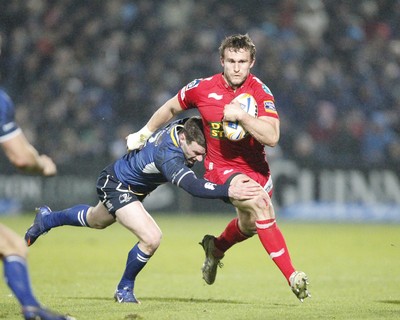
(354, 270)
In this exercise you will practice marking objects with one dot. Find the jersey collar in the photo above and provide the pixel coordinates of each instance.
(227, 86)
(175, 134)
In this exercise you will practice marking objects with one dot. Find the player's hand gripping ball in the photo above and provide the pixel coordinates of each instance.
(233, 130)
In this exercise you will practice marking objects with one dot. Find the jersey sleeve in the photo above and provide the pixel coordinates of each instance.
(176, 172)
(265, 99)
(8, 126)
(187, 93)
(202, 188)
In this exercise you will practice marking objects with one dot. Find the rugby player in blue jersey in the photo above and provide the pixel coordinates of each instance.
(13, 250)
(166, 157)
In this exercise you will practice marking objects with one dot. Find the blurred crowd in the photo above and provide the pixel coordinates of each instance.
(84, 74)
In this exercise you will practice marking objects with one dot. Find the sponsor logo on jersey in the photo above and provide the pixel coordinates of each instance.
(189, 86)
(216, 130)
(215, 96)
(269, 105)
(124, 198)
(227, 171)
(209, 185)
(193, 84)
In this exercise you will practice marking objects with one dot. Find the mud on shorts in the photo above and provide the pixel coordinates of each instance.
(112, 193)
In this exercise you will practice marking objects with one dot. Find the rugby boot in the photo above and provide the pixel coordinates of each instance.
(212, 260)
(37, 228)
(125, 295)
(299, 284)
(37, 313)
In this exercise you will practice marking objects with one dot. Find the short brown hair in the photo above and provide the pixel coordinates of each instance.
(237, 42)
(193, 131)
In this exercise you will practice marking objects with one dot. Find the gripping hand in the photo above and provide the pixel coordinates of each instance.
(137, 140)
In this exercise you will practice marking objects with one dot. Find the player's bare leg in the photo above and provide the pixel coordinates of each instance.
(135, 218)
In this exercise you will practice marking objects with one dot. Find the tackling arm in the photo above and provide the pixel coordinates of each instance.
(175, 171)
(244, 189)
(164, 114)
(202, 188)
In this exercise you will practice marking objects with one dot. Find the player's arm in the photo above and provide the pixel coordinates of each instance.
(182, 176)
(163, 115)
(26, 158)
(202, 188)
(264, 129)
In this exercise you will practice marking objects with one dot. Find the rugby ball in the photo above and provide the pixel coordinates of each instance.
(233, 130)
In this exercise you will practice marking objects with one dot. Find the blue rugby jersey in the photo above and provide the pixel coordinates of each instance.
(162, 160)
(8, 126)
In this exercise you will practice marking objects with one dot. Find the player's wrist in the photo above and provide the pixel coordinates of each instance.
(242, 116)
(145, 133)
(137, 139)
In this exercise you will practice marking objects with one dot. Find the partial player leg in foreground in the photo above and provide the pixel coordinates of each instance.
(13, 252)
(254, 216)
(132, 216)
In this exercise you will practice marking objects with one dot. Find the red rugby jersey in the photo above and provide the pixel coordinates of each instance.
(209, 96)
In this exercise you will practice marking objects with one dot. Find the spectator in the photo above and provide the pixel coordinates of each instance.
(101, 64)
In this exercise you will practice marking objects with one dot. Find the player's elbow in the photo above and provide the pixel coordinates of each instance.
(271, 141)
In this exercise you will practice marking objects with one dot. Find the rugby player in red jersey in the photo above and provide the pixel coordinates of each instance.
(227, 159)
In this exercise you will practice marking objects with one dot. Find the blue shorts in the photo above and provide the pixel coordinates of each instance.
(112, 193)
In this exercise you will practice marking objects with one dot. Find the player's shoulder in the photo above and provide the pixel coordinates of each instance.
(203, 83)
(168, 137)
(258, 85)
(167, 146)
(197, 89)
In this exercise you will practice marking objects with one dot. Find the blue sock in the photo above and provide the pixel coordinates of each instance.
(134, 264)
(75, 216)
(17, 278)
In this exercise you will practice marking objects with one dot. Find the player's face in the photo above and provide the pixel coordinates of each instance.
(237, 65)
(193, 152)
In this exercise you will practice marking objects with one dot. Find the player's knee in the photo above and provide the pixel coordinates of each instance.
(260, 203)
(17, 247)
(97, 219)
(152, 241)
(257, 208)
